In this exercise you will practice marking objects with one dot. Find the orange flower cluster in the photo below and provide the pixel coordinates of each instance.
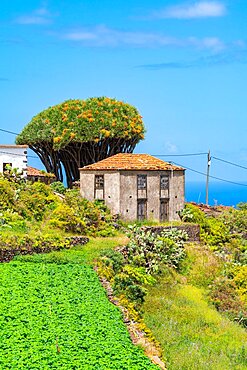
(57, 139)
(105, 133)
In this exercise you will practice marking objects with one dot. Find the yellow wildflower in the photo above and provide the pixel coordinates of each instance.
(57, 139)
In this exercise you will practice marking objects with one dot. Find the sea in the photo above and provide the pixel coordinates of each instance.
(218, 193)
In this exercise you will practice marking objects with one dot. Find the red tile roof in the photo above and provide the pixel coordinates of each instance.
(126, 161)
(31, 171)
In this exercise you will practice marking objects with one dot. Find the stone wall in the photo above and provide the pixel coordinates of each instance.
(192, 230)
(8, 253)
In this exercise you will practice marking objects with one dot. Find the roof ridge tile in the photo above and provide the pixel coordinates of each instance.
(132, 161)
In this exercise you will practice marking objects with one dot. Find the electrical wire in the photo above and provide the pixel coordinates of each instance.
(178, 155)
(9, 132)
(228, 162)
(163, 155)
(212, 177)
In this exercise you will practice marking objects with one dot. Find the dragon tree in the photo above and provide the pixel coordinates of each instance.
(76, 133)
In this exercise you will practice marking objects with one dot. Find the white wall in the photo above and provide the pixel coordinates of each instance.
(14, 154)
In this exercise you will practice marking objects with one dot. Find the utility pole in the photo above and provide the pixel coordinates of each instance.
(207, 181)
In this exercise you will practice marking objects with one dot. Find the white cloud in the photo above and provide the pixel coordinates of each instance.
(102, 36)
(199, 9)
(211, 43)
(39, 16)
(171, 147)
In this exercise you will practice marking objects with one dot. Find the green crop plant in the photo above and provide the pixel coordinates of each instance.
(58, 317)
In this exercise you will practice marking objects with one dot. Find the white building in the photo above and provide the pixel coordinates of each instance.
(15, 156)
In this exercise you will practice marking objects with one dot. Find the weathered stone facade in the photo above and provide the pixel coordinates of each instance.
(136, 194)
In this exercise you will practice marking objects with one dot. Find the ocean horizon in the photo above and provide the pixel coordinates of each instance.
(219, 193)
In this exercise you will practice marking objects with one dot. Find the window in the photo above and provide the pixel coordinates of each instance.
(164, 182)
(99, 182)
(141, 182)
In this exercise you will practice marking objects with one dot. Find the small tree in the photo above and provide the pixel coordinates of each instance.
(80, 132)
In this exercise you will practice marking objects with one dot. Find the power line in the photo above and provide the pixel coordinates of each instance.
(212, 177)
(160, 155)
(228, 162)
(178, 155)
(9, 132)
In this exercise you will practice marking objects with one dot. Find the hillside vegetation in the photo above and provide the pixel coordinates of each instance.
(189, 295)
(189, 300)
(34, 218)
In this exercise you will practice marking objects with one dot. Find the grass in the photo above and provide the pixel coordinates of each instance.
(201, 265)
(192, 334)
(82, 254)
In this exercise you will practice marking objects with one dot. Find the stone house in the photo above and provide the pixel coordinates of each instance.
(34, 175)
(135, 186)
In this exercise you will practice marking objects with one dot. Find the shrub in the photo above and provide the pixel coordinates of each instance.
(12, 220)
(150, 251)
(214, 231)
(64, 218)
(195, 215)
(58, 187)
(236, 220)
(242, 205)
(7, 194)
(95, 215)
(186, 214)
(113, 259)
(130, 282)
(225, 297)
(34, 200)
(239, 274)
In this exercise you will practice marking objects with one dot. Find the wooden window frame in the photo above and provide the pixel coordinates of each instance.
(164, 185)
(99, 182)
(139, 179)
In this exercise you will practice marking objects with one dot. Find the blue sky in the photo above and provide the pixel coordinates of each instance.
(181, 63)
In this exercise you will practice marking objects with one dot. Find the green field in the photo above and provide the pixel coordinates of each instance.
(57, 316)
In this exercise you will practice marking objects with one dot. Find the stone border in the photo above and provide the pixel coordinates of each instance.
(137, 336)
(7, 255)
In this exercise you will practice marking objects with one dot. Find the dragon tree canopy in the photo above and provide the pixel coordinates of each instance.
(77, 133)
